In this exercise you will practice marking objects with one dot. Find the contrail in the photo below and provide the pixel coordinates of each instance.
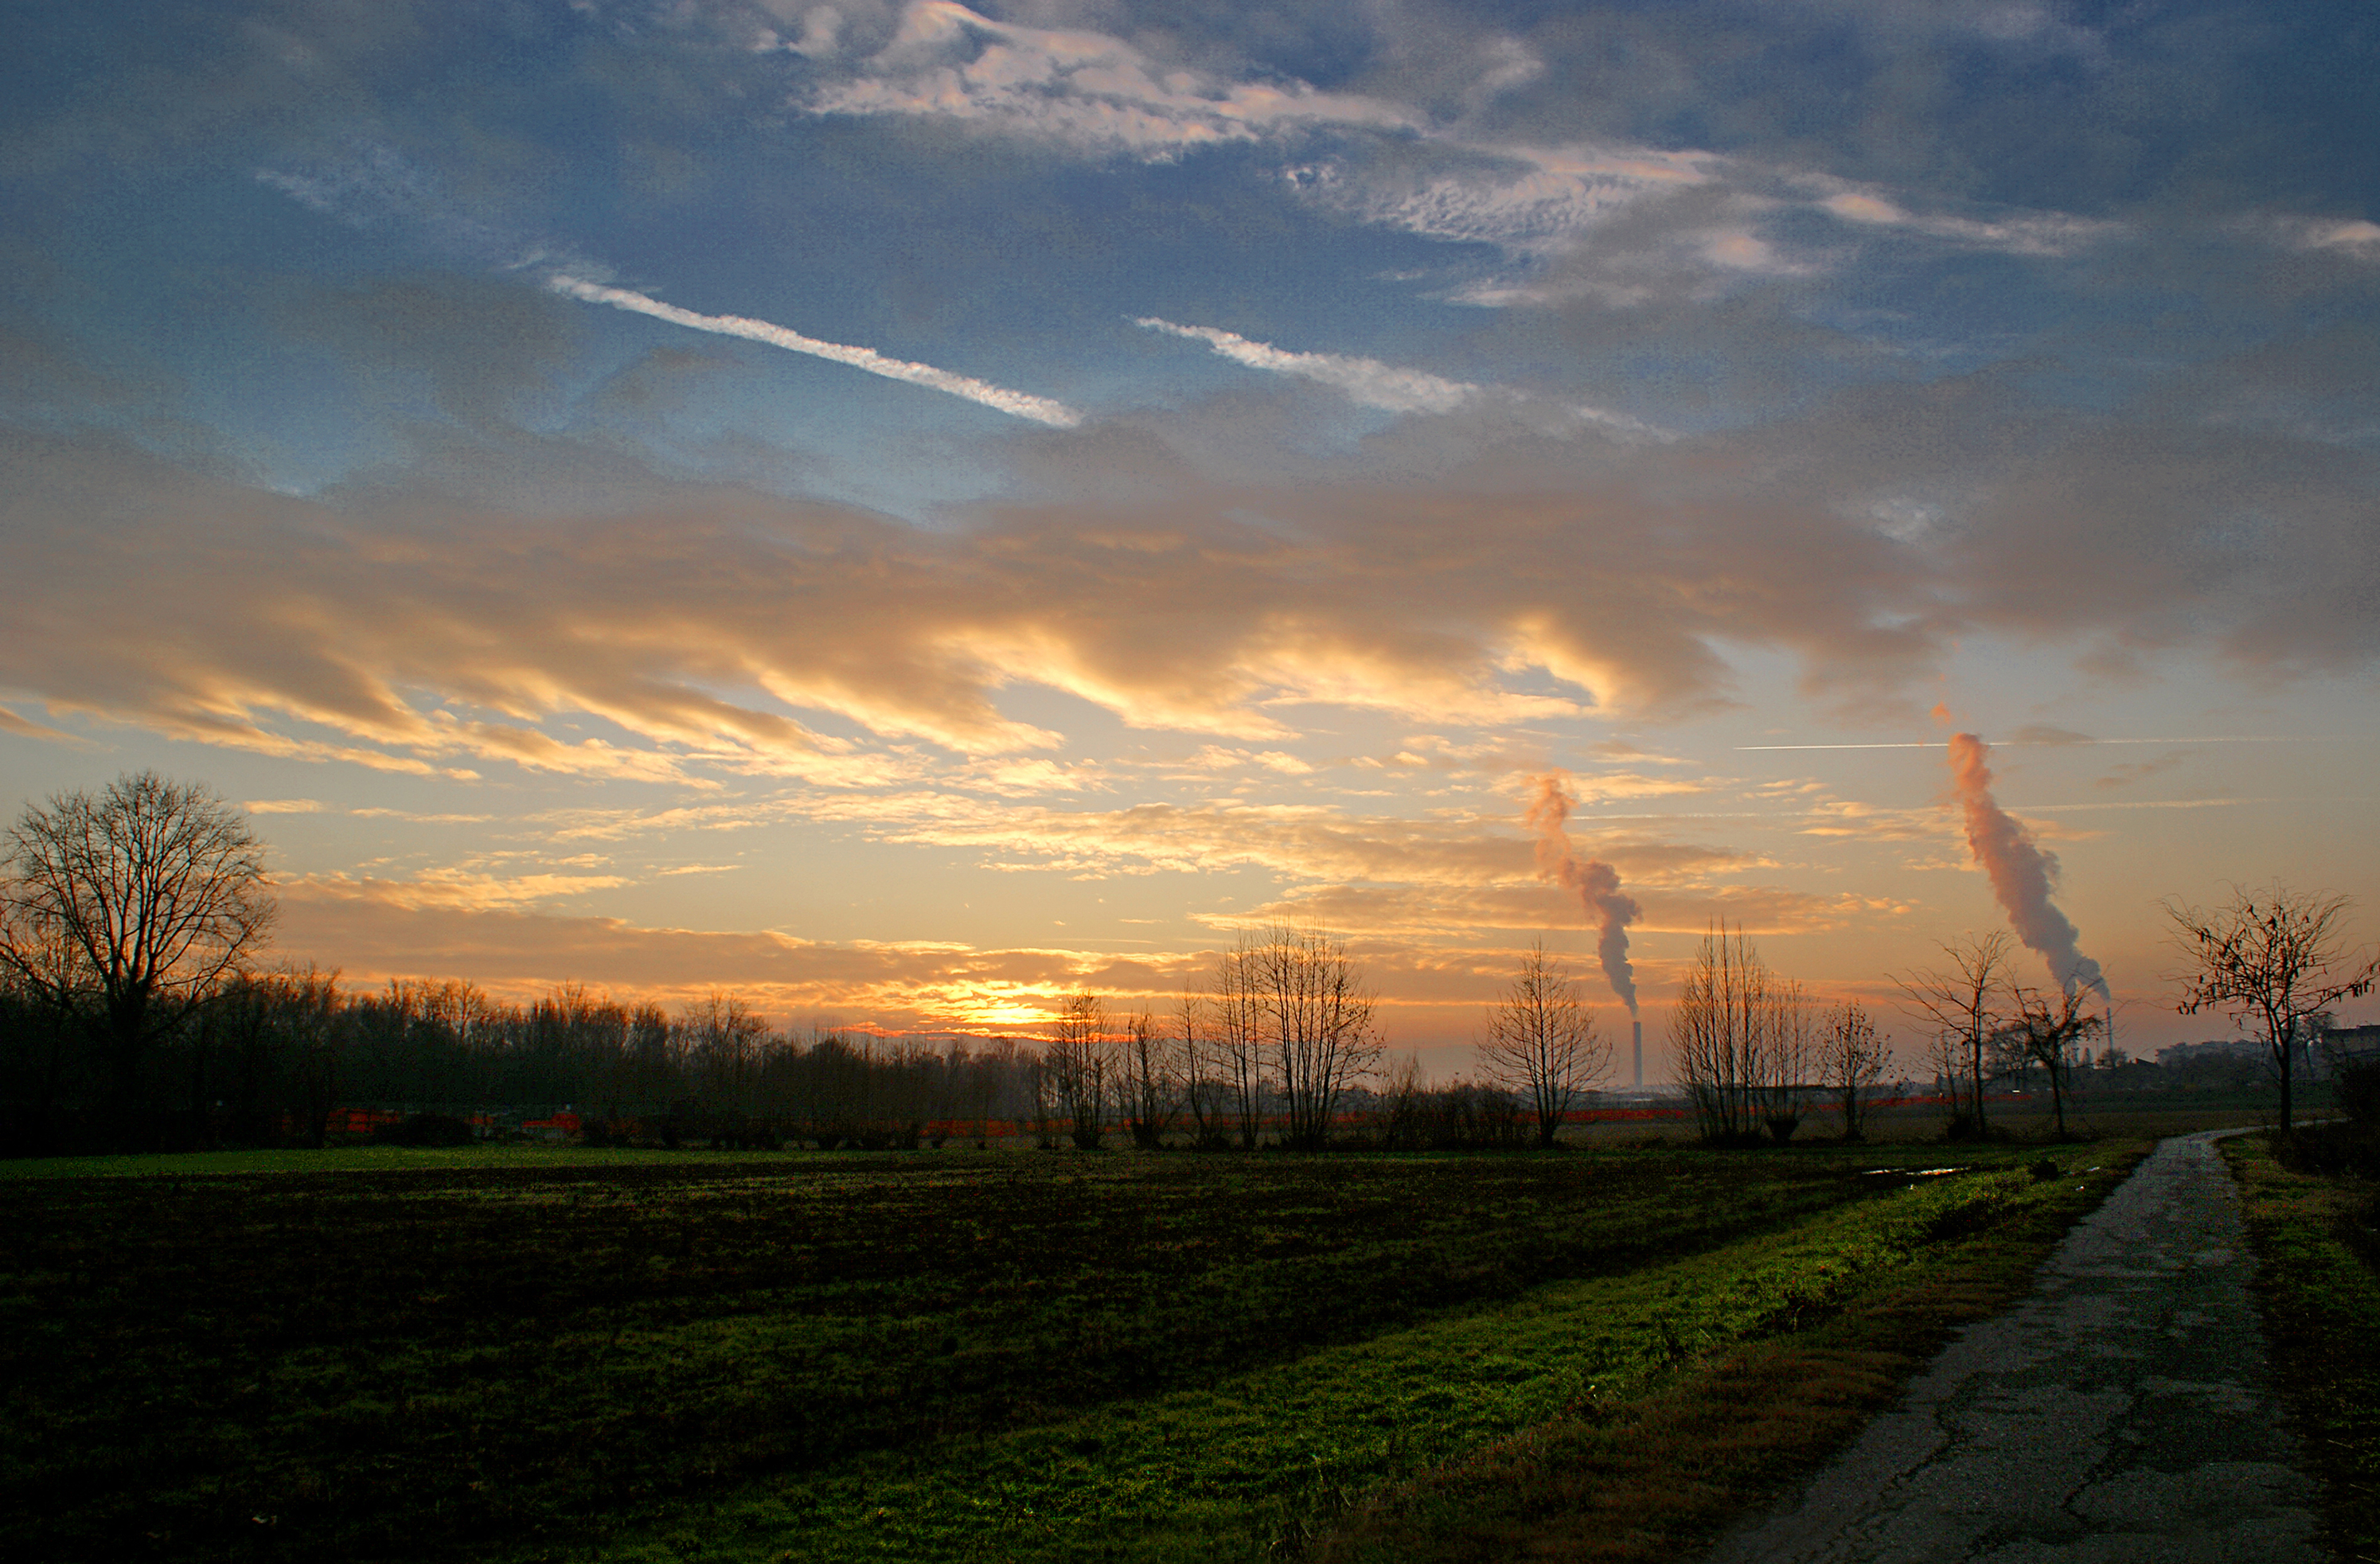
(1597, 883)
(2021, 870)
(1017, 404)
(1366, 381)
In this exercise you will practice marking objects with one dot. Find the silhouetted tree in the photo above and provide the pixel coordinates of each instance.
(1316, 1017)
(1152, 1080)
(1960, 1003)
(1850, 1059)
(1542, 1043)
(1239, 1038)
(2050, 1031)
(131, 904)
(1205, 1095)
(1719, 1036)
(1077, 1063)
(1782, 1063)
(2271, 961)
(1400, 1105)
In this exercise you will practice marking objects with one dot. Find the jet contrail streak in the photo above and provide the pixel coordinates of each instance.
(1017, 404)
(1366, 381)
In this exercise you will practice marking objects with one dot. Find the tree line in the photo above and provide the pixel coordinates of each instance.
(1278, 1052)
(1753, 1051)
(136, 1011)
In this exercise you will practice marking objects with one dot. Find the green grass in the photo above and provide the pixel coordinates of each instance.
(918, 1355)
(1264, 1464)
(2318, 1286)
(1658, 1475)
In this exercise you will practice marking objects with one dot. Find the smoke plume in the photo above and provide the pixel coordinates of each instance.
(1597, 883)
(2020, 869)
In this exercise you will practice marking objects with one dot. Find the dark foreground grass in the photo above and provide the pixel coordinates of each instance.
(510, 1160)
(1660, 1475)
(911, 1357)
(2318, 1287)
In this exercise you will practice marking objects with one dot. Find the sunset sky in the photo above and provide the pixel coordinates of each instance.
(901, 511)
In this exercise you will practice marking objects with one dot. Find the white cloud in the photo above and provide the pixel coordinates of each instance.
(2024, 233)
(25, 727)
(1521, 198)
(2358, 239)
(1083, 89)
(464, 889)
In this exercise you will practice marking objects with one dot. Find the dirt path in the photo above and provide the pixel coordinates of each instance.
(2122, 1413)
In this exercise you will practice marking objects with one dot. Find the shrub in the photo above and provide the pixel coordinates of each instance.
(2356, 1089)
(424, 1129)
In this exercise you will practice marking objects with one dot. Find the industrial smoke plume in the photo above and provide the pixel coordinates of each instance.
(1597, 883)
(2021, 870)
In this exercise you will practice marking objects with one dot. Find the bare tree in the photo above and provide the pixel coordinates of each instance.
(1850, 1059)
(1152, 1081)
(1400, 1096)
(1317, 1025)
(1239, 1038)
(1718, 1034)
(2050, 1031)
(1542, 1043)
(310, 1016)
(2271, 961)
(1203, 1072)
(724, 1040)
(1960, 1003)
(137, 900)
(1077, 1064)
(1786, 1053)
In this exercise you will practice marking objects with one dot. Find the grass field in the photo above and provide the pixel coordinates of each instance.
(2318, 1286)
(953, 1355)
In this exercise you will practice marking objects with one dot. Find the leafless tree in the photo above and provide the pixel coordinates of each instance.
(1239, 1017)
(1718, 1034)
(2051, 1030)
(1961, 1005)
(1786, 1056)
(1152, 1080)
(1316, 1017)
(725, 1043)
(1401, 1101)
(1041, 1093)
(1204, 1095)
(1076, 1060)
(137, 901)
(1850, 1059)
(2271, 959)
(1542, 1043)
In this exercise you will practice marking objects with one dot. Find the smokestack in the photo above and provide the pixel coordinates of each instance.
(1597, 883)
(1638, 1028)
(2021, 870)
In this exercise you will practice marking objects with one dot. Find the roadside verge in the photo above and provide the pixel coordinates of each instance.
(1662, 1476)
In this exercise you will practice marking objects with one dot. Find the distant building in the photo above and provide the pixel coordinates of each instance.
(2352, 1045)
(2200, 1053)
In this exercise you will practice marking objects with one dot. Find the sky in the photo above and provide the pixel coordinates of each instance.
(903, 511)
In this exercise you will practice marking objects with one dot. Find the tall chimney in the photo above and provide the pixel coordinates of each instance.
(1639, 1028)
